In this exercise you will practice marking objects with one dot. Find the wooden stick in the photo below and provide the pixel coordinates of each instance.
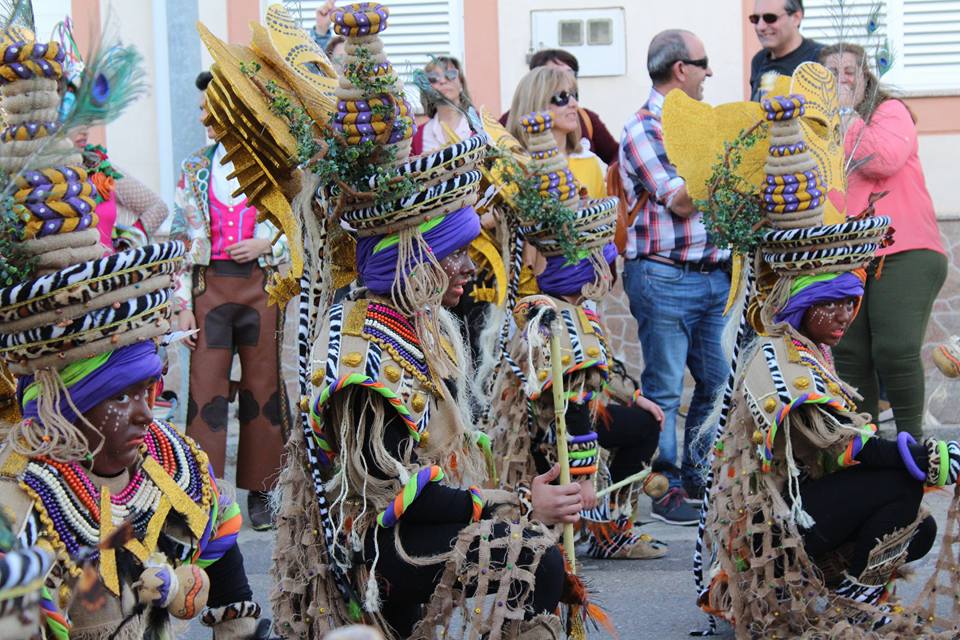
(563, 457)
(637, 477)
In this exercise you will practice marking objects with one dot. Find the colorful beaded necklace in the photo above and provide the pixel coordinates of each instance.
(68, 502)
(394, 333)
(821, 362)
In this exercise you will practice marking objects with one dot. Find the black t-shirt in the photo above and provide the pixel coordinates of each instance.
(808, 51)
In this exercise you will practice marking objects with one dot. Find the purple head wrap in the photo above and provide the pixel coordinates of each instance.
(811, 290)
(92, 380)
(562, 278)
(377, 255)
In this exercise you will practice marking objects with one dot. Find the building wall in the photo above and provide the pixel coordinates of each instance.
(617, 98)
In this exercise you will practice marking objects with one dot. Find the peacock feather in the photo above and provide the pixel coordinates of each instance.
(113, 79)
(16, 16)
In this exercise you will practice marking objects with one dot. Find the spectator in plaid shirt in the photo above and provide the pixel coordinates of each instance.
(676, 280)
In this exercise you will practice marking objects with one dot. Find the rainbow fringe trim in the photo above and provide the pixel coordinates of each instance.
(411, 491)
(56, 622)
(766, 451)
(327, 453)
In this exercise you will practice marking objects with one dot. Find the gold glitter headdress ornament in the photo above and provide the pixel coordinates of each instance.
(263, 104)
(795, 173)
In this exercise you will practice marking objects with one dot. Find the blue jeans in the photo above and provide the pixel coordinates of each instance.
(680, 322)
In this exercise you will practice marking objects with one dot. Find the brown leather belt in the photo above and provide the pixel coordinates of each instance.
(696, 267)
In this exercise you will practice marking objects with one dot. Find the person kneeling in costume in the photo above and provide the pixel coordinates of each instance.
(382, 519)
(809, 513)
(577, 275)
(104, 462)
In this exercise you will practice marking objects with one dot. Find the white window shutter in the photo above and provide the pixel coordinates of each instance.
(923, 36)
(417, 31)
(825, 22)
(930, 51)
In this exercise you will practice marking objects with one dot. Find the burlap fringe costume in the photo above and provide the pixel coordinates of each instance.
(330, 502)
(784, 409)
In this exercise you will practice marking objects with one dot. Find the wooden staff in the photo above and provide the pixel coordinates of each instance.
(563, 457)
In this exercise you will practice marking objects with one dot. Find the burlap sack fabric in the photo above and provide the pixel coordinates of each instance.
(785, 410)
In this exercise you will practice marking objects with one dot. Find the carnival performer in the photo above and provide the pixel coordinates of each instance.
(378, 515)
(119, 498)
(809, 513)
(577, 243)
(884, 343)
(222, 295)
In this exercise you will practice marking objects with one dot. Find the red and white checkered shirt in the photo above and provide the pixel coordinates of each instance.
(644, 167)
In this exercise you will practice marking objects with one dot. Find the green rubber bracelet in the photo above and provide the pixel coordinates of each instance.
(944, 463)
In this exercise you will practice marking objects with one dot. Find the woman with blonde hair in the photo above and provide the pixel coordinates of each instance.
(885, 340)
(445, 102)
(555, 90)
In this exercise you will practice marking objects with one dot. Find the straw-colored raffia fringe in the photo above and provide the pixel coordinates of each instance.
(51, 434)
(304, 600)
(510, 583)
(418, 293)
(602, 279)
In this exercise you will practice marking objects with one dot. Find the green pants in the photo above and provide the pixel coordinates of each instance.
(885, 339)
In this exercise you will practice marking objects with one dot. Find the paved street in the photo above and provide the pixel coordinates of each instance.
(649, 599)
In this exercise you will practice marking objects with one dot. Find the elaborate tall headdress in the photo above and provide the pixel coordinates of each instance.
(66, 300)
(793, 166)
(577, 232)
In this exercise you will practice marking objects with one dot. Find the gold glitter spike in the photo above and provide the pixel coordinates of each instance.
(108, 556)
(196, 516)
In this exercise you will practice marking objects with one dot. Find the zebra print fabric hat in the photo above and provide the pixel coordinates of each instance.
(88, 308)
(794, 199)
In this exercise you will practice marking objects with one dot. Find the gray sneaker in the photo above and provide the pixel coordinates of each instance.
(673, 508)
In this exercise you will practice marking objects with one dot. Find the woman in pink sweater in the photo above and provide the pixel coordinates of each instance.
(884, 342)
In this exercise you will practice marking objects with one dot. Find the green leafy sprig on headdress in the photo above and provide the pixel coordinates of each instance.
(732, 213)
(530, 207)
(353, 167)
(16, 265)
(349, 167)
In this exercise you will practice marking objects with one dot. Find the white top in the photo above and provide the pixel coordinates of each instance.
(222, 186)
(434, 136)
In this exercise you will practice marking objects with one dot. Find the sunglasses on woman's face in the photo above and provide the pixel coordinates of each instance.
(449, 74)
(562, 99)
(769, 18)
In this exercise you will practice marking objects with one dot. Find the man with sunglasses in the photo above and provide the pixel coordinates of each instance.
(677, 281)
(777, 23)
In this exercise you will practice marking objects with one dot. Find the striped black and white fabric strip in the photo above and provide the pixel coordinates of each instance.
(85, 271)
(743, 330)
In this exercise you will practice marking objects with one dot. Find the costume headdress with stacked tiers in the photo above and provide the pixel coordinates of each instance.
(579, 245)
(76, 300)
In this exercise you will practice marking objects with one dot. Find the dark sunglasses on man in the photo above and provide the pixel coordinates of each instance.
(703, 62)
(769, 18)
(562, 99)
(449, 74)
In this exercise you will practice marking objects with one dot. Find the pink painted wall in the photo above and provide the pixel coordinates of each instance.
(481, 47)
(86, 20)
(240, 13)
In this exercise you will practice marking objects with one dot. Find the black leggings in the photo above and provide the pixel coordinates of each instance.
(405, 587)
(634, 433)
(861, 505)
(228, 579)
